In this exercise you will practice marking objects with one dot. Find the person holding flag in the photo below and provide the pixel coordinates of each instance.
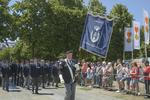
(68, 69)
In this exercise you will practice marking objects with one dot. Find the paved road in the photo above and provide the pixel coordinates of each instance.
(58, 94)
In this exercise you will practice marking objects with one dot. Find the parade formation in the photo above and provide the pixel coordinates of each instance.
(74, 44)
(39, 73)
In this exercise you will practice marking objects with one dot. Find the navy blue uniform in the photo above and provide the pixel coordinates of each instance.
(44, 73)
(6, 72)
(26, 74)
(0, 73)
(35, 74)
(13, 67)
(49, 73)
(55, 73)
(65, 71)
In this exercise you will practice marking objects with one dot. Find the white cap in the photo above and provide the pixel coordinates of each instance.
(103, 62)
(109, 63)
(42, 60)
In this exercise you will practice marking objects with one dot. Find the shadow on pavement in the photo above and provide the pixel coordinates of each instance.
(54, 87)
(46, 94)
(61, 87)
(51, 88)
(14, 90)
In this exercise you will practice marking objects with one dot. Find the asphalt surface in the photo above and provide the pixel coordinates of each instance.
(51, 93)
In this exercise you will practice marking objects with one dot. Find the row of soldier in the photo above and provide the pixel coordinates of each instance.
(33, 73)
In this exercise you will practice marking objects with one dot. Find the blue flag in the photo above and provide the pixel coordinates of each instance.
(96, 35)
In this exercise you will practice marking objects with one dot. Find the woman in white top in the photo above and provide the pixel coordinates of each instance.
(89, 76)
(119, 68)
(126, 76)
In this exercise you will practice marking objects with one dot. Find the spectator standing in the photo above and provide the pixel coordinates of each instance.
(119, 68)
(135, 77)
(83, 72)
(146, 70)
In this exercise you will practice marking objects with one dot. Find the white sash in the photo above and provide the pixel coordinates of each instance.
(70, 70)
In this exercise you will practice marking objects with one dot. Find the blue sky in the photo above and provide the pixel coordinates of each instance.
(135, 7)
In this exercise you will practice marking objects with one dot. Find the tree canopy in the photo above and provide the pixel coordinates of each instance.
(122, 19)
(48, 28)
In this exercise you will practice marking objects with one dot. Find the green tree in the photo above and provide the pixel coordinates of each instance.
(72, 3)
(122, 19)
(6, 53)
(96, 7)
(49, 30)
(31, 17)
(6, 22)
(21, 51)
(141, 53)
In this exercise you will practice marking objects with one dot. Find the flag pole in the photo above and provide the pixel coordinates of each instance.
(145, 51)
(123, 55)
(124, 47)
(132, 55)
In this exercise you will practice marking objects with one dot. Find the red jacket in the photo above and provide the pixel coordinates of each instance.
(146, 73)
(135, 71)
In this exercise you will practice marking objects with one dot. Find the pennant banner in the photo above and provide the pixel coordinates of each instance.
(136, 32)
(128, 44)
(96, 35)
(146, 27)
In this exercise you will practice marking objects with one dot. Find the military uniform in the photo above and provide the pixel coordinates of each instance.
(44, 70)
(55, 72)
(68, 72)
(0, 73)
(49, 74)
(35, 75)
(26, 75)
(20, 75)
(13, 67)
(6, 72)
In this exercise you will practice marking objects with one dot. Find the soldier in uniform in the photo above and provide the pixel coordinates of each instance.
(0, 73)
(13, 67)
(68, 70)
(5, 76)
(35, 75)
(50, 65)
(55, 73)
(44, 71)
(20, 74)
(26, 74)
